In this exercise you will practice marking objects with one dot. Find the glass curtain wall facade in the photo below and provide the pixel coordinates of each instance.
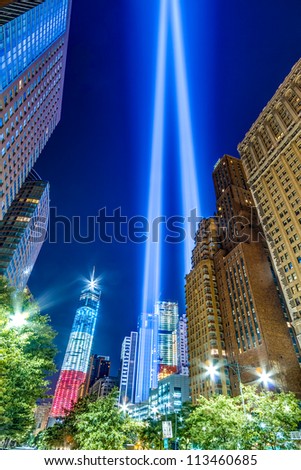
(147, 366)
(76, 362)
(168, 318)
(33, 49)
(23, 230)
(128, 368)
(27, 29)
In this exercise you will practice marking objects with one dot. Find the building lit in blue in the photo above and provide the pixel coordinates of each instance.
(147, 363)
(33, 47)
(27, 29)
(168, 319)
(128, 361)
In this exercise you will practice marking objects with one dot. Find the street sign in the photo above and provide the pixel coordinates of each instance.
(167, 429)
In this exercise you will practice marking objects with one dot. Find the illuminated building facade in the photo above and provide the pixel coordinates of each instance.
(257, 336)
(99, 367)
(271, 156)
(128, 368)
(168, 318)
(76, 362)
(170, 395)
(157, 350)
(206, 343)
(23, 230)
(147, 362)
(182, 346)
(33, 46)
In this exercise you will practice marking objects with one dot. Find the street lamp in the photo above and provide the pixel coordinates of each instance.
(263, 376)
(124, 408)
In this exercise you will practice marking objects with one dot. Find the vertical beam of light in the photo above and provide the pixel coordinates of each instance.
(153, 248)
(190, 194)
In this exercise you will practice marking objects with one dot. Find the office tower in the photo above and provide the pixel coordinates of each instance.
(168, 318)
(256, 333)
(169, 396)
(99, 367)
(271, 156)
(128, 368)
(147, 362)
(76, 362)
(206, 343)
(104, 386)
(182, 346)
(23, 230)
(33, 44)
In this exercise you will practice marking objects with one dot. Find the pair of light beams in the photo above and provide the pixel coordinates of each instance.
(169, 15)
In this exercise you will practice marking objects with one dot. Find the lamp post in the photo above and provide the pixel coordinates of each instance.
(166, 428)
(236, 369)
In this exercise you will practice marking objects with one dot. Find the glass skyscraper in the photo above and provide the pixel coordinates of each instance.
(33, 46)
(27, 29)
(168, 318)
(147, 365)
(23, 230)
(128, 368)
(157, 352)
(76, 362)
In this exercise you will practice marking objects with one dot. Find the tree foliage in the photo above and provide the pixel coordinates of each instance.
(264, 422)
(215, 423)
(270, 418)
(93, 425)
(219, 422)
(150, 435)
(26, 359)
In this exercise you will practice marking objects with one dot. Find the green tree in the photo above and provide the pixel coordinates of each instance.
(215, 423)
(103, 426)
(265, 421)
(93, 424)
(150, 435)
(54, 437)
(270, 419)
(26, 359)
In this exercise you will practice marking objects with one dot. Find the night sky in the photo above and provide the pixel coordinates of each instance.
(237, 54)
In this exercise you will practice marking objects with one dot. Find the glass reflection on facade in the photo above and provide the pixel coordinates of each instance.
(26, 30)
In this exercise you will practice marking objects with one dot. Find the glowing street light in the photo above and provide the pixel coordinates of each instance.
(124, 408)
(154, 410)
(265, 378)
(212, 371)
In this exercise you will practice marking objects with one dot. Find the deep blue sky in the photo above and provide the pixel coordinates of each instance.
(237, 54)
